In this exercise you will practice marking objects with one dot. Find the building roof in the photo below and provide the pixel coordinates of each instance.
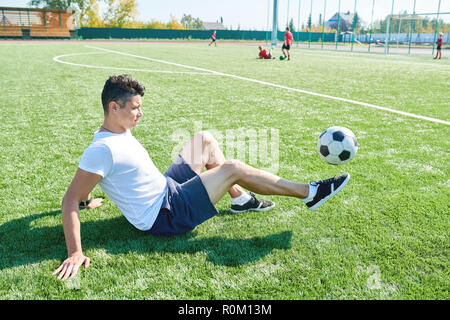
(213, 26)
(346, 16)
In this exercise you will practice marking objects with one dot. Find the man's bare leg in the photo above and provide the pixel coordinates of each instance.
(314, 194)
(222, 176)
(202, 152)
(218, 180)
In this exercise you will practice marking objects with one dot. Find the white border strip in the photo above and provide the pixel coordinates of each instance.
(412, 115)
(57, 59)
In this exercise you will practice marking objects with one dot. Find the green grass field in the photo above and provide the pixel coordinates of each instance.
(385, 236)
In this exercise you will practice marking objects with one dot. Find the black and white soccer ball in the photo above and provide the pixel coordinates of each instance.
(337, 145)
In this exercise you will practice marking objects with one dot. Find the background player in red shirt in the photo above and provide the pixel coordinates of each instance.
(287, 44)
(439, 46)
(213, 39)
(263, 53)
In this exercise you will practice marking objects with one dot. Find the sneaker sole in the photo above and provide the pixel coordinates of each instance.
(255, 209)
(321, 202)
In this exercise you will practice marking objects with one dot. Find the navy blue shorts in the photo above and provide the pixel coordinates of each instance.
(186, 203)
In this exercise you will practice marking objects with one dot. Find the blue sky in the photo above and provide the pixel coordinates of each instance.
(257, 14)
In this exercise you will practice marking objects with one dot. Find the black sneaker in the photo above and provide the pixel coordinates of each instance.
(327, 189)
(253, 205)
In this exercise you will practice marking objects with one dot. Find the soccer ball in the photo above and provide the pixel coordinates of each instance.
(282, 57)
(337, 145)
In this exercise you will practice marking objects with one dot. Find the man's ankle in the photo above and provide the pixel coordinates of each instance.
(240, 200)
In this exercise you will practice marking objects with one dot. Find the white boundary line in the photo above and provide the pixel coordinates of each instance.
(412, 115)
(57, 59)
(348, 55)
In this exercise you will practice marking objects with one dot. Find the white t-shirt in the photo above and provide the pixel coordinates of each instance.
(130, 179)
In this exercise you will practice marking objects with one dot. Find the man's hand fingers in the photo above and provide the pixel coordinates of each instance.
(58, 270)
(97, 202)
(71, 266)
(68, 272)
(87, 261)
(74, 270)
(61, 274)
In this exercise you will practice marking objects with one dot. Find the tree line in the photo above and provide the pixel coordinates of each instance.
(401, 23)
(123, 14)
(116, 14)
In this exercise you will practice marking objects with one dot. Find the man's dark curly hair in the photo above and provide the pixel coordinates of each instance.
(120, 89)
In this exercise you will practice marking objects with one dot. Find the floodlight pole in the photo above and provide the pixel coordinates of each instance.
(298, 23)
(310, 25)
(354, 25)
(275, 23)
(412, 26)
(371, 24)
(268, 21)
(399, 28)
(388, 30)
(287, 19)
(338, 23)
(323, 22)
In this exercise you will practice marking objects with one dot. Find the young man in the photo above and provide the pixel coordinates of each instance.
(287, 44)
(213, 39)
(263, 53)
(177, 201)
(439, 46)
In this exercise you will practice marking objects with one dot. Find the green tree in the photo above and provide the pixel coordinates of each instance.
(59, 4)
(291, 25)
(91, 16)
(356, 24)
(174, 24)
(154, 24)
(88, 9)
(189, 22)
(120, 13)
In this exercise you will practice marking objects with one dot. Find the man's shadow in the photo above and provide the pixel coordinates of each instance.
(23, 241)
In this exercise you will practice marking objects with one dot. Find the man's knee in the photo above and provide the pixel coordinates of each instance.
(206, 139)
(234, 168)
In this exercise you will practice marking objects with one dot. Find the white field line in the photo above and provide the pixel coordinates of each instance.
(412, 115)
(351, 55)
(57, 59)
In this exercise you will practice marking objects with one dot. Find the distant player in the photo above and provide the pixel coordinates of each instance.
(213, 39)
(263, 53)
(439, 46)
(287, 44)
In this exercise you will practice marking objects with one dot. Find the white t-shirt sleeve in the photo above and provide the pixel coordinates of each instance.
(96, 159)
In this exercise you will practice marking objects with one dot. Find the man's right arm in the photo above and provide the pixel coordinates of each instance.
(79, 189)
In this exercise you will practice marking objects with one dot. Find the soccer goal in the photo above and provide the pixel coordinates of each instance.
(417, 32)
(389, 26)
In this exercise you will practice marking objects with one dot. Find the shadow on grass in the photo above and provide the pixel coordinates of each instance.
(22, 243)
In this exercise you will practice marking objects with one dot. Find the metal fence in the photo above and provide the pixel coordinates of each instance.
(385, 26)
(388, 26)
(128, 33)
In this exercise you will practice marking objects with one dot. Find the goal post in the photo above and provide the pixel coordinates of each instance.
(418, 31)
(383, 26)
